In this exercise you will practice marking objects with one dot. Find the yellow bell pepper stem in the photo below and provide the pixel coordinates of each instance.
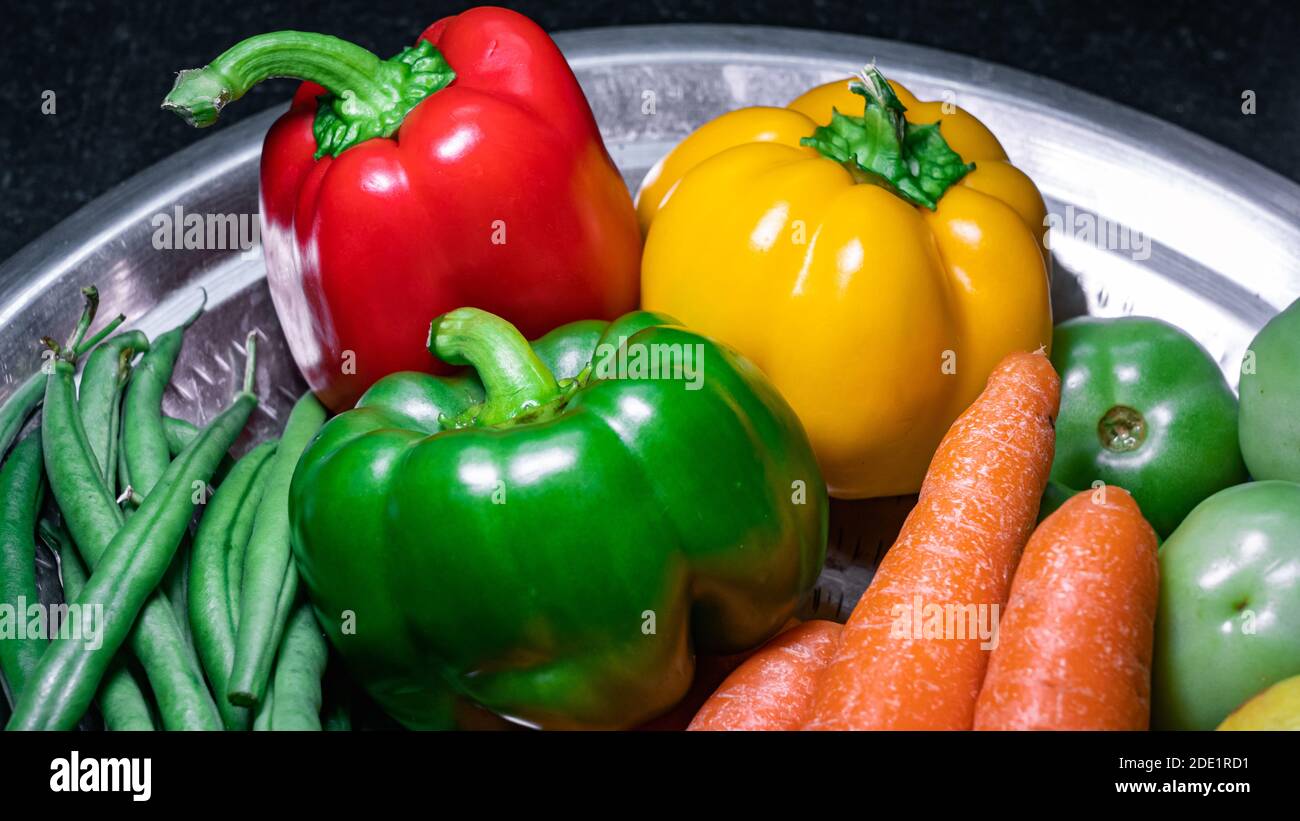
(881, 146)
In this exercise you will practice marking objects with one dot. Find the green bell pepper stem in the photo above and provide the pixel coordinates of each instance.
(882, 147)
(515, 380)
(369, 96)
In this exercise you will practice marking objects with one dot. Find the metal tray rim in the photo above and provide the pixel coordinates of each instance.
(1272, 195)
(1220, 165)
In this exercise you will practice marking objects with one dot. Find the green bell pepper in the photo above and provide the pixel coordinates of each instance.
(1144, 407)
(1270, 399)
(555, 538)
(1228, 622)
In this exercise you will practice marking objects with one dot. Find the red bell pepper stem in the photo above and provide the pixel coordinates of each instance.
(339, 66)
(371, 96)
(518, 385)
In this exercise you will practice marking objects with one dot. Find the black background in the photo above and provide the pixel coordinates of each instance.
(110, 64)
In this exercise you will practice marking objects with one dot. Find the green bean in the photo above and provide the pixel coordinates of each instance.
(145, 454)
(127, 569)
(235, 558)
(21, 490)
(121, 701)
(298, 670)
(269, 579)
(109, 463)
(123, 480)
(175, 586)
(20, 404)
(18, 407)
(144, 443)
(99, 396)
(180, 432)
(224, 528)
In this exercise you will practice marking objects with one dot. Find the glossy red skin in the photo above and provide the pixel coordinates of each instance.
(364, 249)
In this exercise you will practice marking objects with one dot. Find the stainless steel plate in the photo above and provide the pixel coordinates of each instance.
(1223, 232)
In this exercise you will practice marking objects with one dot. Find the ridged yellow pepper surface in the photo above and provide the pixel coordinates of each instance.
(875, 267)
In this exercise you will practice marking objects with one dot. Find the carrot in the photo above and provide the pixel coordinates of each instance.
(773, 689)
(911, 655)
(1074, 650)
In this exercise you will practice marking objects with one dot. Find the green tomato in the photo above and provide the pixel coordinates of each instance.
(1144, 407)
(1270, 399)
(1228, 623)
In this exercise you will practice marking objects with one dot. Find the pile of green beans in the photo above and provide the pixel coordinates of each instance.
(126, 570)
(195, 631)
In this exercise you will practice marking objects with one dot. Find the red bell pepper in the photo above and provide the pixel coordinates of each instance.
(467, 170)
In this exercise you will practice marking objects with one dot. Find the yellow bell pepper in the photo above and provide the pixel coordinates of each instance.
(862, 263)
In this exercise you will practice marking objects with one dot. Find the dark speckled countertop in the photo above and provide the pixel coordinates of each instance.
(109, 64)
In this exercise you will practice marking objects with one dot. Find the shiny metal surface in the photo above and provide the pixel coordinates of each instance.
(1224, 233)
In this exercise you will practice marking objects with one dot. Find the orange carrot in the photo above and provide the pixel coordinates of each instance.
(1074, 650)
(773, 689)
(911, 655)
